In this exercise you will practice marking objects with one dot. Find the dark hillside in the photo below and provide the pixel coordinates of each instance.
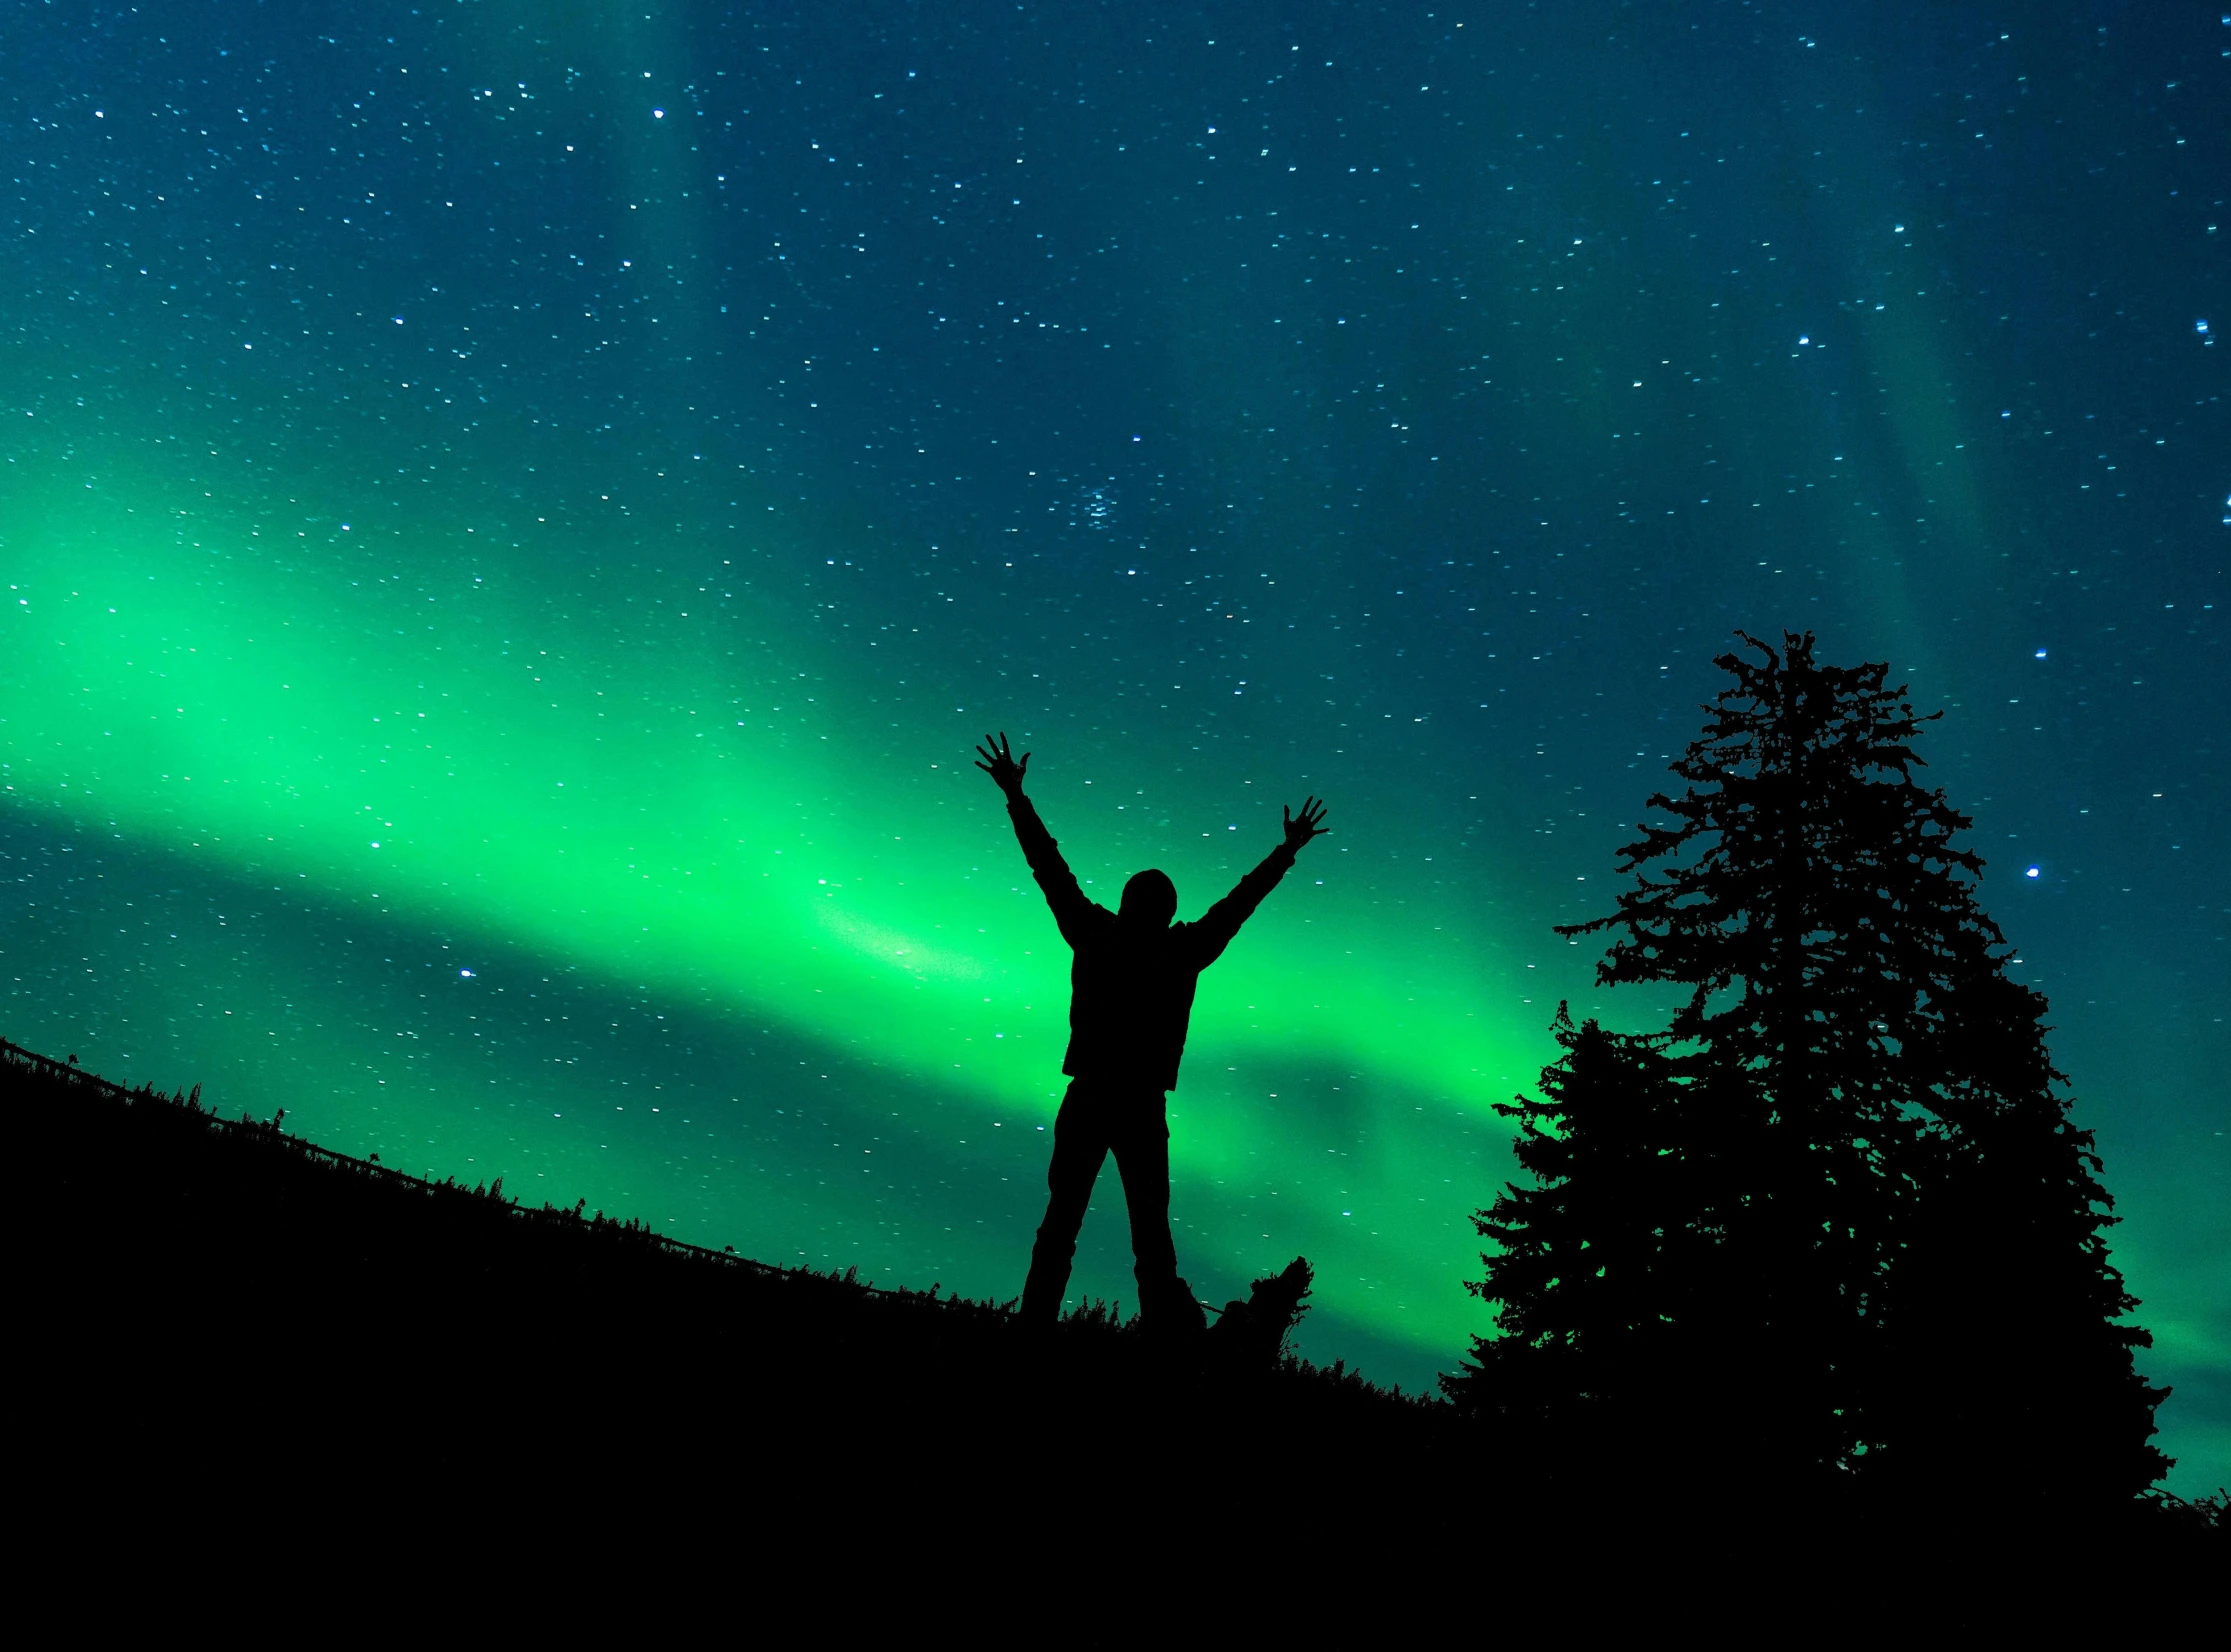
(217, 1313)
(178, 1256)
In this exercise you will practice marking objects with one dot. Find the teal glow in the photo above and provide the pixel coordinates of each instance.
(554, 493)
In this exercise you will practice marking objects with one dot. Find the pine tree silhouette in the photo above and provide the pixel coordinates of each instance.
(1835, 1214)
(1590, 1260)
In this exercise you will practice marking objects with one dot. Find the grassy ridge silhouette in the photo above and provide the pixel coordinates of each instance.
(236, 1259)
(222, 1305)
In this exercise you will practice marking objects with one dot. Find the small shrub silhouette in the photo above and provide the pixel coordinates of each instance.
(1257, 1332)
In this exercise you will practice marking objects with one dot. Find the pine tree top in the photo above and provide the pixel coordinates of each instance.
(1801, 846)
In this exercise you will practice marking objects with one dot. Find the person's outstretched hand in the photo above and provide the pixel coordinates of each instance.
(1002, 765)
(1304, 826)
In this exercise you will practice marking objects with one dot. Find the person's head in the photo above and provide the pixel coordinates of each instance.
(1149, 900)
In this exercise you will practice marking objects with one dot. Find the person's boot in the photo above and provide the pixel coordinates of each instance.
(1170, 1309)
(1041, 1304)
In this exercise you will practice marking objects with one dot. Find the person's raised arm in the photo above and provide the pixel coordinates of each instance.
(1068, 901)
(1221, 922)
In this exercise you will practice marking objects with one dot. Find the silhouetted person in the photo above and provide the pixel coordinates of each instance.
(1130, 997)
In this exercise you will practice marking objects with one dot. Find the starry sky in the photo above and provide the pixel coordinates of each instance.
(513, 513)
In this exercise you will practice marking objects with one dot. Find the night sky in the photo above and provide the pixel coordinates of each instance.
(513, 513)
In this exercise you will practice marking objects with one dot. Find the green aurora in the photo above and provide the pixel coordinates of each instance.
(640, 835)
(513, 516)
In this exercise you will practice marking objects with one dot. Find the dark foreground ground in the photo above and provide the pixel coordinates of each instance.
(228, 1330)
(189, 1266)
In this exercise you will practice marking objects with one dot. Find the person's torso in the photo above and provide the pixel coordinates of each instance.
(1130, 1002)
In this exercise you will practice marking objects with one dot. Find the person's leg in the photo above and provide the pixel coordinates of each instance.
(1080, 1144)
(1142, 1150)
